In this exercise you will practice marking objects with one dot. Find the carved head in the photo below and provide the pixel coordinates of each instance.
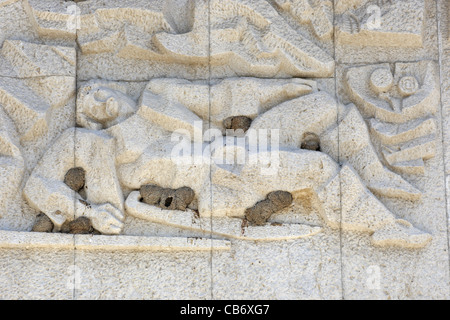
(102, 104)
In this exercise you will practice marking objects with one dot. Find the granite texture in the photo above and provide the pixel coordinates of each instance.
(309, 139)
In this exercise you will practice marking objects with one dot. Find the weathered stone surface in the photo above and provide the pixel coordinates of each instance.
(411, 149)
(36, 60)
(224, 149)
(393, 24)
(445, 88)
(412, 21)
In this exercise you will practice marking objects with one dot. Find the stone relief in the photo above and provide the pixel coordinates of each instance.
(318, 14)
(401, 104)
(248, 38)
(88, 178)
(37, 94)
(386, 23)
(122, 147)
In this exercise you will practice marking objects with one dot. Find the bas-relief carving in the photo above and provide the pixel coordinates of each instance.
(38, 93)
(124, 144)
(318, 14)
(127, 145)
(401, 102)
(247, 37)
(12, 165)
(384, 23)
(37, 100)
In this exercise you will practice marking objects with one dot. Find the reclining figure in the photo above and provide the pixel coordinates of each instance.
(125, 146)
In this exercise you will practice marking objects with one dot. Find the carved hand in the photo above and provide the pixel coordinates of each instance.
(106, 218)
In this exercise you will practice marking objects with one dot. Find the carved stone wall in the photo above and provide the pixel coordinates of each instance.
(224, 149)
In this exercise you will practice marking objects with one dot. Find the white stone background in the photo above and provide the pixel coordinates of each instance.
(332, 265)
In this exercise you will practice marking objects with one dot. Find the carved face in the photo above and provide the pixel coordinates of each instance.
(101, 106)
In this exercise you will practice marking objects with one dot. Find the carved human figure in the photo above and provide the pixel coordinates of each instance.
(100, 105)
(120, 156)
(119, 148)
(103, 105)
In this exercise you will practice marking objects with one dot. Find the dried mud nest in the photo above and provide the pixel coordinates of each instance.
(166, 198)
(263, 210)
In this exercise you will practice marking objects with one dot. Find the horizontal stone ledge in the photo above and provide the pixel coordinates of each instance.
(220, 227)
(36, 240)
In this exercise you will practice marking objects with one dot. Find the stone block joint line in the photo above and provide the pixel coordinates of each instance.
(442, 80)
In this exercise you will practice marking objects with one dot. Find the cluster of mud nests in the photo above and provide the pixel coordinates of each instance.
(165, 198)
(75, 179)
(263, 210)
(81, 225)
